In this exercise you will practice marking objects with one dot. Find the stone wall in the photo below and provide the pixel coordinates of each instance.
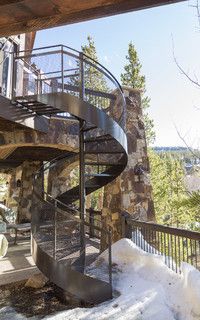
(13, 189)
(61, 135)
(131, 192)
(29, 168)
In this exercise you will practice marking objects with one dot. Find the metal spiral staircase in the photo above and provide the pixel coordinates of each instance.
(59, 81)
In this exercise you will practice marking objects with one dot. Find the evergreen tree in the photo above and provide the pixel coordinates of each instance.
(94, 79)
(132, 77)
(173, 206)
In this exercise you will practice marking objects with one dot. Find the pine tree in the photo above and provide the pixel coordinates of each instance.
(94, 79)
(132, 77)
(173, 205)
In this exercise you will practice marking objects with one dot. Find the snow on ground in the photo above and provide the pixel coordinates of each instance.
(149, 290)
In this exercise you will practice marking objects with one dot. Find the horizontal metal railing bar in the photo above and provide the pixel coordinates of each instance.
(76, 219)
(37, 54)
(58, 77)
(49, 47)
(193, 235)
(64, 70)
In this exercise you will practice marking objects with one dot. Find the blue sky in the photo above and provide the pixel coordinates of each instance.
(174, 100)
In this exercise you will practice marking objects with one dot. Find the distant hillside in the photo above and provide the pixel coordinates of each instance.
(169, 149)
(190, 158)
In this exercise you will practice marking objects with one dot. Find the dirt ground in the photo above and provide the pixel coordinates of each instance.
(31, 302)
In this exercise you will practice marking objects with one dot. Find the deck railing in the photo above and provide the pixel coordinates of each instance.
(62, 69)
(175, 245)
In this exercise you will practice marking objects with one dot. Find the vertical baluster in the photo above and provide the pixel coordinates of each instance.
(175, 252)
(187, 250)
(183, 248)
(179, 253)
(145, 239)
(195, 250)
(158, 242)
(168, 251)
(171, 251)
(141, 237)
(161, 244)
(137, 236)
(191, 251)
(149, 240)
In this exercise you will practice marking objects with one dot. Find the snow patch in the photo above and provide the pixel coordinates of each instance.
(149, 290)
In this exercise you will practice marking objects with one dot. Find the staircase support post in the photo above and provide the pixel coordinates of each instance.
(82, 193)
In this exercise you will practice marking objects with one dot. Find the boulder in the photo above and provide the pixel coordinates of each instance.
(37, 281)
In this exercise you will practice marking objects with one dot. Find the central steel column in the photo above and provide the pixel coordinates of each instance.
(82, 193)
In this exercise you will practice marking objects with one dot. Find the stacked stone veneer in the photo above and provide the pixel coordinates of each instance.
(62, 135)
(131, 192)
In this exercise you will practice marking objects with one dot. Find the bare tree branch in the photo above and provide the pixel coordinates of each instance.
(198, 11)
(185, 143)
(195, 82)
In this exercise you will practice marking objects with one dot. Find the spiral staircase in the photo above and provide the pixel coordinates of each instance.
(59, 81)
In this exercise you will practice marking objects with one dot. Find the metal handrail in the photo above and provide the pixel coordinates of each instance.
(77, 51)
(174, 244)
(95, 63)
(171, 230)
(60, 49)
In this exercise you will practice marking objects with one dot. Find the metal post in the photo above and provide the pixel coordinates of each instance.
(82, 168)
(13, 93)
(55, 230)
(110, 256)
(91, 221)
(62, 68)
(38, 83)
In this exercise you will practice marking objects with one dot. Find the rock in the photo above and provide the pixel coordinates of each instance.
(37, 281)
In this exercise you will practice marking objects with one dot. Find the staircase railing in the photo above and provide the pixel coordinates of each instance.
(59, 69)
(175, 245)
(56, 227)
(61, 81)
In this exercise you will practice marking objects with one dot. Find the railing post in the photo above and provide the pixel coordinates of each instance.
(62, 69)
(91, 221)
(82, 193)
(55, 229)
(13, 93)
(110, 256)
(126, 228)
(81, 71)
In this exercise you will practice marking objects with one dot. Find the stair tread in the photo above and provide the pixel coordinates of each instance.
(101, 164)
(99, 175)
(103, 152)
(99, 138)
